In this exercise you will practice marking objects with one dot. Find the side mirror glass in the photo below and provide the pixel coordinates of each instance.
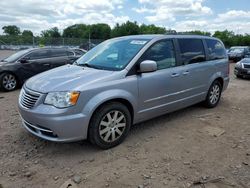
(148, 66)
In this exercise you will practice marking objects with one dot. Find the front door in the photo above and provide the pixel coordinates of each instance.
(162, 90)
(37, 61)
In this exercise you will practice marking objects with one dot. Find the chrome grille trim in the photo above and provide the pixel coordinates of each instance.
(246, 66)
(37, 128)
(28, 98)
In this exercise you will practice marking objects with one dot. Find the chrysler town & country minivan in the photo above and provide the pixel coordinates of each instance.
(121, 82)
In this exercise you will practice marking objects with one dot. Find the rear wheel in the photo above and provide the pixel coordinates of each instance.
(109, 125)
(8, 82)
(214, 94)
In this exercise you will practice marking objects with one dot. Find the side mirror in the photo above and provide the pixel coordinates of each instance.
(24, 60)
(148, 66)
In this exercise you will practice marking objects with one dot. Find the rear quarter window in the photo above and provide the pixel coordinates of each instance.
(191, 51)
(216, 49)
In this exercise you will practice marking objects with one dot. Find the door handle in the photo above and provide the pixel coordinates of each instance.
(175, 75)
(46, 64)
(186, 73)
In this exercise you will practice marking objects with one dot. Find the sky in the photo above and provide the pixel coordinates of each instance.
(182, 15)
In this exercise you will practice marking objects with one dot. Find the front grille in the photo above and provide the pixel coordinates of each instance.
(246, 66)
(28, 99)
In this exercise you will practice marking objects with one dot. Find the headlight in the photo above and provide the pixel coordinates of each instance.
(62, 99)
(239, 65)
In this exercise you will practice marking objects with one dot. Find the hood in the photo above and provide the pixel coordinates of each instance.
(66, 78)
(3, 63)
(235, 53)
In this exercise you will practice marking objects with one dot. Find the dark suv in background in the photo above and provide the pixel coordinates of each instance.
(24, 64)
(237, 53)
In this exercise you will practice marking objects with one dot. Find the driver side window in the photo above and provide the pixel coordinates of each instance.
(162, 53)
(39, 54)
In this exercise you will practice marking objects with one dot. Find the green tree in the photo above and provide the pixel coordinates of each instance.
(27, 33)
(100, 31)
(51, 33)
(128, 28)
(152, 29)
(11, 30)
(76, 31)
(197, 32)
(228, 37)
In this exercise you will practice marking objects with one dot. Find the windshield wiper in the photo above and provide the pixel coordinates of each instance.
(89, 65)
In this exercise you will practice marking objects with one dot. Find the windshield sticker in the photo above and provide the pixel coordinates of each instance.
(138, 42)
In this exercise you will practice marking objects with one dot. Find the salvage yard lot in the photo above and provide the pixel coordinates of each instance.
(191, 146)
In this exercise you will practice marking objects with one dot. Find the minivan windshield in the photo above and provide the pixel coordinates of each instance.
(16, 56)
(113, 54)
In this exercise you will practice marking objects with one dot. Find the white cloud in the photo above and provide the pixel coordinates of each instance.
(167, 10)
(234, 15)
(41, 15)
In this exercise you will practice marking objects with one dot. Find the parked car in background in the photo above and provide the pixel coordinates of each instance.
(236, 53)
(79, 52)
(24, 64)
(87, 46)
(242, 68)
(123, 81)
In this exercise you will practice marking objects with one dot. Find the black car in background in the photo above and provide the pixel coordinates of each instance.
(242, 68)
(24, 64)
(237, 53)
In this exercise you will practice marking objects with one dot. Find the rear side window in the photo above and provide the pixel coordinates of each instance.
(162, 53)
(58, 53)
(192, 51)
(39, 54)
(215, 49)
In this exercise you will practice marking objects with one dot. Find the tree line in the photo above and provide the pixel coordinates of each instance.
(103, 31)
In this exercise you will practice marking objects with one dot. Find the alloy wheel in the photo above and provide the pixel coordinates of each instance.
(214, 94)
(112, 126)
(9, 82)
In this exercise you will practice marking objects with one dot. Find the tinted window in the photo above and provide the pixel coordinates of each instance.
(215, 49)
(192, 51)
(162, 53)
(39, 54)
(58, 53)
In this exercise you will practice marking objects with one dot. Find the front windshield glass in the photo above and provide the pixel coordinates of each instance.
(16, 56)
(112, 54)
(237, 50)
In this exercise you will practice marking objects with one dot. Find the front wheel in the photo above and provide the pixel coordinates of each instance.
(8, 82)
(214, 94)
(109, 125)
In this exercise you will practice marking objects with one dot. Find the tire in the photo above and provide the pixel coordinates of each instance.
(239, 76)
(104, 131)
(8, 82)
(213, 95)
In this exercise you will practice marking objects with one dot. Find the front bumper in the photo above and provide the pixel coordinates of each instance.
(235, 58)
(53, 124)
(241, 72)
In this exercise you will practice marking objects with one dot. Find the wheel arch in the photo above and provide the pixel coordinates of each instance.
(121, 100)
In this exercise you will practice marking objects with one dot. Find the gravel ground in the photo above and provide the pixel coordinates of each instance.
(194, 147)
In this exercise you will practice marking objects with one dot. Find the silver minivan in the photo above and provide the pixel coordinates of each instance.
(121, 82)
